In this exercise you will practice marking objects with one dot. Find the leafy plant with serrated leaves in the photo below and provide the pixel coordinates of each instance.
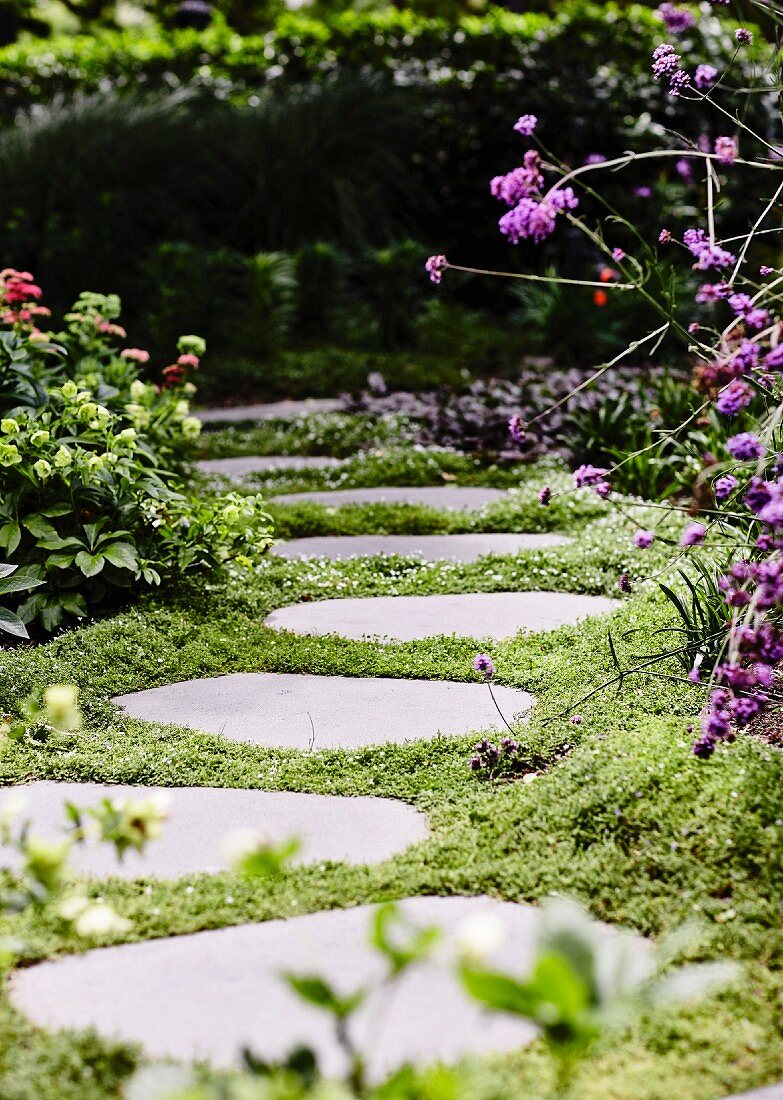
(93, 504)
(12, 581)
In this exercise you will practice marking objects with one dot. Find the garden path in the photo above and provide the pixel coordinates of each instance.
(452, 498)
(462, 547)
(351, 830)
(238, 469)
(270, 410)
(206, 995)
(471, 615)
(280, 710)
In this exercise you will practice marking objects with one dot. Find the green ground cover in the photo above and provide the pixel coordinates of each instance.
(620, 814)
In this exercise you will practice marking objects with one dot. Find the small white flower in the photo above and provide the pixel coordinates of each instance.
(100, 920)
(479, 936)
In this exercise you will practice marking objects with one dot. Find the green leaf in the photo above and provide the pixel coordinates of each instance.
(74, 604)
(6, 568)
(57, 543)
(500, 992)
(121, 554)
(90, 564)
(51, 616)
(19, 582)
(318, 992)
(12, 624)
(40, 527)
(10, 535)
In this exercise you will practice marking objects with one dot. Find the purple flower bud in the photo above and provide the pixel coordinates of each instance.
(525, 125)
(643, 539)
(483, 663)
(743, 36)
(435, 266)
(693, 534)
(745, 446)
(624, 583)
(544, 496)
(726, 150)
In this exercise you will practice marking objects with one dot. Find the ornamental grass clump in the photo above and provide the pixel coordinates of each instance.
(730, 323)
(93, 506)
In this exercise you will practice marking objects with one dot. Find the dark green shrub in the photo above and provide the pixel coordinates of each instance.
(189, 288)
(320, 279)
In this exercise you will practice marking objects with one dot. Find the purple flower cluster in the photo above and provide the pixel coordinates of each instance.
(667, 63)
(704, 77)
(676, 20)
(707, 253)
(533, 211)
(744, 307)
(490, 759)
(726, 150)
(533, 218)
(594, 477)
(435, 266)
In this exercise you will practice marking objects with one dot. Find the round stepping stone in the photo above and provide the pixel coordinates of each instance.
(350, 830)
(271, 410)
(205, 996)
(237, 469)
(407, 618)
(465, 548)
(280, 710)
(451, 498)
(771, 1092)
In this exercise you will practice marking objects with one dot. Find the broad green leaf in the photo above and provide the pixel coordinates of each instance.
(90, 564)
(500, 992)
(10, 535)
(12, 624)
(19, 582)
(40, 527)
(121, 554)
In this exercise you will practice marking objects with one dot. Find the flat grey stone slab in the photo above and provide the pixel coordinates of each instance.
(350, 830)
(204, 996)
(771, 1092)
(451, 498)
(465, 548)
(271, 410)
(237, 469)
(280, 710)
(470, 615)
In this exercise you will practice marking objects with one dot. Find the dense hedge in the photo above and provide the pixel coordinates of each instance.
(357, 131)
(577, 42)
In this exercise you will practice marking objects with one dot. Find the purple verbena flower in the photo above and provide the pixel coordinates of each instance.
(743, 36)
(725, 486)
(726, 149)
(745, 446)
(525, 125)
(544, 496)
(435, 266)
(587, 475)
(736, 396)
(483, 663)
(643, 539)
(765, 269)
(618, 255)
(624, 583)
(516, 428)
(676, 20)
(665, 236)
(693, 534)
(704, 77)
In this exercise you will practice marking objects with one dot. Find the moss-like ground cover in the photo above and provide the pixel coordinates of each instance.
(620, 814)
